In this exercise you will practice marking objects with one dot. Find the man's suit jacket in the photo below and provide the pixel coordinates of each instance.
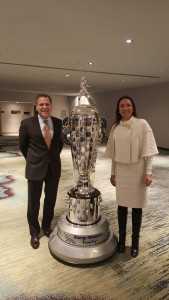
(35, 150)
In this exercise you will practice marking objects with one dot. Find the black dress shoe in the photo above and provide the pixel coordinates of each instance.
(35, 242)
(47, 231)
(121, 248)
(134, 252)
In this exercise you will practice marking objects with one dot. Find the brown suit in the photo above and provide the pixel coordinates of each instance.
(42, 165)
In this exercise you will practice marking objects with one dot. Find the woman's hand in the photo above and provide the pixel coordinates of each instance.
(112, 180)
(147, 180)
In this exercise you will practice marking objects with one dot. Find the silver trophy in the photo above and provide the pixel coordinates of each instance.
(83, 234)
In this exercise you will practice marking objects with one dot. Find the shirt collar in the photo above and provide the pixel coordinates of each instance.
(42, 119)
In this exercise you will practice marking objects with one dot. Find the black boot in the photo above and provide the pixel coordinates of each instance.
(136, 225)
(122, 221)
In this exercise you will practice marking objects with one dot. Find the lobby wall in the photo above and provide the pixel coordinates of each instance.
(152, 103)
(15, 106)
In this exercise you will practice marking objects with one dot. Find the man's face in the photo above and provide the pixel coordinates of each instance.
(44, 107)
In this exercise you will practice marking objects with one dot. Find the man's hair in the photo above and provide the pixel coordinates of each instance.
(45, 96)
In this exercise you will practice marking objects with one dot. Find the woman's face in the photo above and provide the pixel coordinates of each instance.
(125, 109)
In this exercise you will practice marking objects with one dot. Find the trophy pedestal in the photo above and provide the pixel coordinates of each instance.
(82, 244)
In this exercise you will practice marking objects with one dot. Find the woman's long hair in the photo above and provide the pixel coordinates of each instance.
(118, 116)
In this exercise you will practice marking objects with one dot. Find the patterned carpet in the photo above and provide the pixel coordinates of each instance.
(35, 275)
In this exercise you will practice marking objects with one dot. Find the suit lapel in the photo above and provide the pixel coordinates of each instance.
(39, 129)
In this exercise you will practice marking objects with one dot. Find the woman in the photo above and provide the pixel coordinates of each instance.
(131, 147)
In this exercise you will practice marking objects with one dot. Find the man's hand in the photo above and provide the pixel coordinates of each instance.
(112, 180)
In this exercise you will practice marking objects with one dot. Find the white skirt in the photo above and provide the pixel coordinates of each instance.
(130, 189)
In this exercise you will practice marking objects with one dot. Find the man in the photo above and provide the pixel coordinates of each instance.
(43, 164)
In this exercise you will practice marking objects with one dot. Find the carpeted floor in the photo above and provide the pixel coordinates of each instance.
(34, 274)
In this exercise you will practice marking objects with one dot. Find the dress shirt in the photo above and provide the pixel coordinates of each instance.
(42, 124)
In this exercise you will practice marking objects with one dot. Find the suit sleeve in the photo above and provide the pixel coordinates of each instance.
(61, 143)
(23, 139)
(61, 139)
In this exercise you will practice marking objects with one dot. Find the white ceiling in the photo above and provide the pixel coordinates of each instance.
(43, 40)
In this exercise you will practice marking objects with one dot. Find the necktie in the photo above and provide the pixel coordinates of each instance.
(47, 135)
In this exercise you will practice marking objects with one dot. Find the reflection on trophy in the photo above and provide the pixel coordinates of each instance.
(82, 234)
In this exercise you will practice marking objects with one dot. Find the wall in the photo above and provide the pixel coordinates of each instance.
(12, 112)
(152, 103)
(11, 116)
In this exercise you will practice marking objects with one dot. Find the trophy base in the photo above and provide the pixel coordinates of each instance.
(77, 244)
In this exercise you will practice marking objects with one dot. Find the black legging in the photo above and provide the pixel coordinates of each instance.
(124, 210)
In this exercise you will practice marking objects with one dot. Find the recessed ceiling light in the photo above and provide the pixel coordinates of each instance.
(90, 63)
(129, 41)
(67, 75)
(163, 70)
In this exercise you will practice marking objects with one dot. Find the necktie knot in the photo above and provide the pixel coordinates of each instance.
(47, 135)
(46, 122)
